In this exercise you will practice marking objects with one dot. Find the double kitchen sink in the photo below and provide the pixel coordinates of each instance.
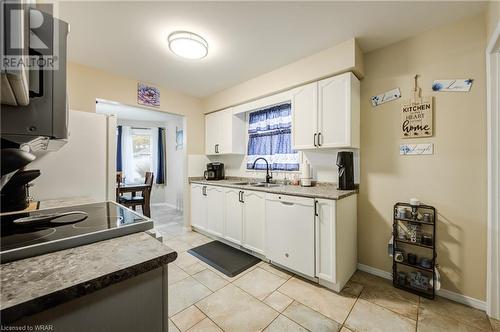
(258, 184)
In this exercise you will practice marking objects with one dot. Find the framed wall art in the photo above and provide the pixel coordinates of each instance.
(148, 95)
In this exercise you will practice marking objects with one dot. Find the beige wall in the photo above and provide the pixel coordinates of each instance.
(453, 179)
(85, 84)
(492, 17)
(340, 58)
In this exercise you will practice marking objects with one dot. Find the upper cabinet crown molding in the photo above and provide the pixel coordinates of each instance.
(224, 133)
(326, 114)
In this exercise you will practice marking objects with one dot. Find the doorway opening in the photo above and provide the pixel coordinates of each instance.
(149, 141)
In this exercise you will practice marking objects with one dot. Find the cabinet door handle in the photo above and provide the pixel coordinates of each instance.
(314, 139)
(319, 139)
(204, 191)
(216, 148)
(242, 200)
(287, 203)
(316, 208)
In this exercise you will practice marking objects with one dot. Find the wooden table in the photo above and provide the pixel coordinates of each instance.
(131, 188)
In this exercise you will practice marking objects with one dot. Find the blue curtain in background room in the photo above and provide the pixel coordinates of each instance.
(161, 165)
(119, 165)
(270, 136)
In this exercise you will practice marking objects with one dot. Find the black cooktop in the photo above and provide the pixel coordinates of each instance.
(98, 221)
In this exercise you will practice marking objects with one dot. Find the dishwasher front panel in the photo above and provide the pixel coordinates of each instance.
(290, 232)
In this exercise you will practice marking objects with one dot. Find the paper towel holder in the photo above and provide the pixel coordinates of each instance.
(305, 176)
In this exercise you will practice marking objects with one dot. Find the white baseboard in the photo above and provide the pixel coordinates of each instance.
(375, 271)
(463, 299)
(469, 301)
(166, 204)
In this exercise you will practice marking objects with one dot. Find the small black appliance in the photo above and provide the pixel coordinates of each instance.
(215, 171)
(14, 194)
(346, 170)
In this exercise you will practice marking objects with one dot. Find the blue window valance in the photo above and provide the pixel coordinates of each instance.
(270, 137)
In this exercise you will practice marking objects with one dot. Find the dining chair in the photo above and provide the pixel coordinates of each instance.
(119, 181)
(144, 200)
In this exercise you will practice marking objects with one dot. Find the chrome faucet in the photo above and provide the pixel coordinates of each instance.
(268, 176)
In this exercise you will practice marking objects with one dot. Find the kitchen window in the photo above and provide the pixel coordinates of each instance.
(270, 137)
(141, 150)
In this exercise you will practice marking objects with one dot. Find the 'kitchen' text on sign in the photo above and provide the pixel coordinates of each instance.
(416, 119)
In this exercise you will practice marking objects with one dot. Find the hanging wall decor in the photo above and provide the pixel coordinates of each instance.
(148, 95)
(416, 149)
(457, 85)
(179, 139)
(416, 115)
(386, 97)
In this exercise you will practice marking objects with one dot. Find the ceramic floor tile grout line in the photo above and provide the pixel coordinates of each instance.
(171, 318)
(182, 235)
(283, 313)
(357, 298)
(377, 304)
(206, 316)
(418, 309)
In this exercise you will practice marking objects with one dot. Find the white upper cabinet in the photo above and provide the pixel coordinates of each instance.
(212, 133)
(326, 113)
(224, 133)
(304, 116)
(338, 111)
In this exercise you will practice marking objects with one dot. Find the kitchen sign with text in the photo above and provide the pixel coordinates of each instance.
(416, 118)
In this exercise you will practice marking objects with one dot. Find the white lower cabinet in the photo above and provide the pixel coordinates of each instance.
(215, 210)
(336, 241)
(254, 221)
(198, 206)
(325, 233)
(313, 237)
(233, 215)
(290, 232)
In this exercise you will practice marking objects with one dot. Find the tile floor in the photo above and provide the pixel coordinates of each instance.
(265, 298)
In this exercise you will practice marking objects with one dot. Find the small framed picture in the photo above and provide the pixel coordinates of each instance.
(148, 95)
(179, 139)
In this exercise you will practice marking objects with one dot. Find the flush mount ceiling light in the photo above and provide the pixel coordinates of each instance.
(187, 45)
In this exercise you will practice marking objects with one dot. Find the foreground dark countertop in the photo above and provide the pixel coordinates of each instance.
(37, 283)
(324, 190)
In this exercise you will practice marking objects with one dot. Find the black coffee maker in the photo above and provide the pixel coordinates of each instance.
(346, 170)
(215, 171)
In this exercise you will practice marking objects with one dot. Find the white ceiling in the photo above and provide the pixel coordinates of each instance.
(246, 39)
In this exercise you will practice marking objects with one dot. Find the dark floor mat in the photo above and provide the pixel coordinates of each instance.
(224, 258)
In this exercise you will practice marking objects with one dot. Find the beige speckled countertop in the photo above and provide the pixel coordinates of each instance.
(37, 283)
(319, 190)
